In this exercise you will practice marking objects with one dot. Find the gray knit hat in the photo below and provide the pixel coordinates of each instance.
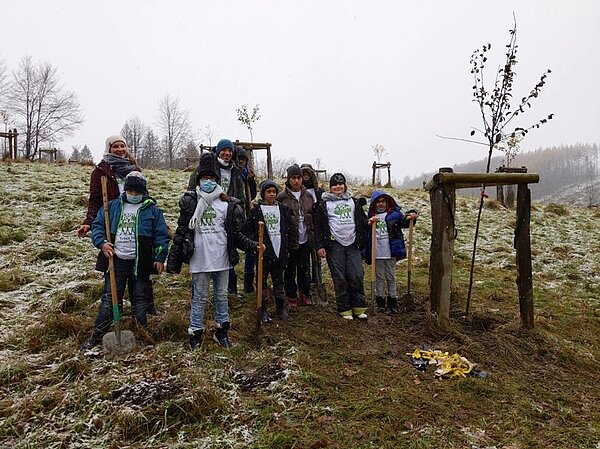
(112, 139)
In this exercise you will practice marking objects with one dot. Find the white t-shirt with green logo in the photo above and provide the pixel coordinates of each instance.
(125, 238)
(383, 250)
(225, 179)
(302, 236)
(210, 241)
(340, 215)
(272, 223)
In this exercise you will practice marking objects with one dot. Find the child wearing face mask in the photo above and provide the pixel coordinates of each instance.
(209, 232)
(140, 236)
(390, 247)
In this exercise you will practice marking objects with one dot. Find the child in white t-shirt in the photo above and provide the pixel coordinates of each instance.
(390, 246)
(280, 237)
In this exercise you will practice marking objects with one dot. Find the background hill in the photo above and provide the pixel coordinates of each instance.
(568, 174)
(314, 381)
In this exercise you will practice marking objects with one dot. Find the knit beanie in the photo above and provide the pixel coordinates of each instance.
(337, 178)
(293, 170)
(136, 181)
(307, 167)
(207, 166)
(112, 139)
(241, 153)
(265, 185)
(223, 143)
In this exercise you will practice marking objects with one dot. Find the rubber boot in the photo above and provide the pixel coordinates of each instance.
(282, 310)
(249, 282)
(393, 305)
(221, 336)
(196, 339)
(380, 300)
(265, 314)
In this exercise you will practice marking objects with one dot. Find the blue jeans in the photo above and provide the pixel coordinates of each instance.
(141, 300)
(200, 297)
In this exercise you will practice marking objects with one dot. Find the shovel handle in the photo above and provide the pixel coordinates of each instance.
(373, 258)
(259, 280)
(410, 251)
(111, 266)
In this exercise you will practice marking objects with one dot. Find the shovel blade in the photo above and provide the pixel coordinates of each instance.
(112, 346)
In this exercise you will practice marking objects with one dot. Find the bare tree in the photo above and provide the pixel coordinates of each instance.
(173, 122)
(4, 83)
(134, 130)
(497, 113)
(209, 134)
(379, 151)
(248, 119)
(43, 109)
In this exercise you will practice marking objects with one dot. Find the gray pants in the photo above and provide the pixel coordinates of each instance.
(385, 271)
(347, 273)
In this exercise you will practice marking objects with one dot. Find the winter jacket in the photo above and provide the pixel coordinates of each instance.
(95, 199)
(289, 232)
(394, 220)
(182, 248)
(323, 232)
(306, 203)
(151, 235)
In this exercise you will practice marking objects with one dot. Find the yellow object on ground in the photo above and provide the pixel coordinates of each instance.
(447, 365)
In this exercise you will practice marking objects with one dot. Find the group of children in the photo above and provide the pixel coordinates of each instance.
(217, 218)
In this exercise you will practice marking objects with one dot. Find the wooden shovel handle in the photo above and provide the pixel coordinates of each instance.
(111, 267)
(410, 243)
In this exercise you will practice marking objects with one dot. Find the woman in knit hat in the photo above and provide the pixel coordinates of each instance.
(340, 232)
(116, 164)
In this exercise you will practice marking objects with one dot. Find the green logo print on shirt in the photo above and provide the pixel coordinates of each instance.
(225, 183)
(342, 210)
(381, 227)
(127, 224)
(271, 221)
(208, 217)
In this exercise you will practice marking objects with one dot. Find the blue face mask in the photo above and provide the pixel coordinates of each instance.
(134, 199)
(207, 185)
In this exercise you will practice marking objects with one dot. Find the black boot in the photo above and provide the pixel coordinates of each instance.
(393, 305)
(249, 282)
(196, 339)
(93, 341)
(380, 300)
(221, 336)
(282, 311)
(232, 284)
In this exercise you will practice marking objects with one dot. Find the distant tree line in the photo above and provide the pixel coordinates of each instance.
(566, 166)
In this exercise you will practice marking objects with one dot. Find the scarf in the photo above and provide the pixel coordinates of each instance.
(204, 200)
(120, 166)
(328, 196)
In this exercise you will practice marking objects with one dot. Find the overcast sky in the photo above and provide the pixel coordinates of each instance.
(333, 78)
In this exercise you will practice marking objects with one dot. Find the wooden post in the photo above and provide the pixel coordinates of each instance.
(389, 183)
(15, 148)
(10, 145)
(500, 194)
(443, 205)
(374, 171)
(523, 249)
(269, 163)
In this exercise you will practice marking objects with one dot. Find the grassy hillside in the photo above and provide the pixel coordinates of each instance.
(314, 381)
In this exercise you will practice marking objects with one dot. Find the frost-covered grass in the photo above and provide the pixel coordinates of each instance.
(315, 380)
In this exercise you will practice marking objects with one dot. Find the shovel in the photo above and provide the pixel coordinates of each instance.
(409, 264)
(259, 281)
(373, 256)
(117, 342)
(318, 277)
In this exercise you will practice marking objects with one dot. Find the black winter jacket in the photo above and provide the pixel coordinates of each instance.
(182, 248)
(289, 232)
